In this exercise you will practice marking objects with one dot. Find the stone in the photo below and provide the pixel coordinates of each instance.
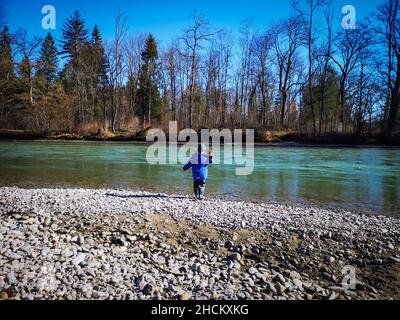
(131, 238)
(279, 278)
(201, 269)
(332, 296)
(229, 293)
(185, 296)
(148, 289)
(235, 256)
(45, 251)
(160, 260)
(80, 240)
(349, 293)
(79, 259)
(395, 259)
(271, 287)
(67, 252)
(229, 244)
(294, 275)
(253, 270)
(240, 248)
(336, 288)
(183, 269)
(230, 264)
(297, 283)
(11, 278)
(3, 295)
(118, 241)
(280, 289)
(255, 249)
(326, 276)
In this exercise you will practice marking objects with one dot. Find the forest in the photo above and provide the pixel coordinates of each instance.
(304, 74)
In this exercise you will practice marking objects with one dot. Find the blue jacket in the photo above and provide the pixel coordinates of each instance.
(199, 163)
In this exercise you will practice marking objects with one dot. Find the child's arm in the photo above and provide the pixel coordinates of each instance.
(210, 156)
(187, 166)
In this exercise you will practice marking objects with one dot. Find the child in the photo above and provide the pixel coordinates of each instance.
(199, 163)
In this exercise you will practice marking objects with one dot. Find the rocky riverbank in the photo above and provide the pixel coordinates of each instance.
(262, 138)
(120, 244)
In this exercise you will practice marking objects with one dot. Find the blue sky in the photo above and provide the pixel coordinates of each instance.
(165, 19)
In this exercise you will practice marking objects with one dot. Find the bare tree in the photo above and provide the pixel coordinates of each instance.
(193, 38)
(287, 42)
(325, 63)
(263, 46)
(389, 31)
(171, 77)
(215, 71)
(245, 72)
(349, 45)
(117, 66)
(134, 48)
(307, 16)
(27, 48)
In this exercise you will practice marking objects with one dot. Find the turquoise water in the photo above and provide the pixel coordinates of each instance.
(361, 178)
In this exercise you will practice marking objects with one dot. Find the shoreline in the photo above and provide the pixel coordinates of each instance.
(277, 140)
(117, 244)
(285, 144)
(354, 209)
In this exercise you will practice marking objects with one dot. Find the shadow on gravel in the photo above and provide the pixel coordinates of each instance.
(123, 196)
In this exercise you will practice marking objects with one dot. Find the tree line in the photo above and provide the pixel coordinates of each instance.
(301, 74)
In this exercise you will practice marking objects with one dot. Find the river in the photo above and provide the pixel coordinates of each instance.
(366, 179)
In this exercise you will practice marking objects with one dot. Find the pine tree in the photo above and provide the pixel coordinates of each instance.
(149, 100)
(75, 36)
(97, 71)
(48, 60)
(7, 76)
(100, 65)
(6, 59)
(75, 48)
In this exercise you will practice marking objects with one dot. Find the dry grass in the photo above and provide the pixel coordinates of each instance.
(272, 136)
(131, 125)
(88, 128)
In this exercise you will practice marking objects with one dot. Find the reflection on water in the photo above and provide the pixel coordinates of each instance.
(354, 177)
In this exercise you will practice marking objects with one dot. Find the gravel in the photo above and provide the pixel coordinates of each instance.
(120, 244)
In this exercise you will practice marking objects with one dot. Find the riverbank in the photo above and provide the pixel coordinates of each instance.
(260, 138)
(119, 244)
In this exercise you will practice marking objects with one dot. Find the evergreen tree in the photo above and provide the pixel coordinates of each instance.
(75, 36)
(6, 59)
(48, 60)
(149, 100)
(99, 59)
(97, 71)
(7, 77)
(74, 47)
